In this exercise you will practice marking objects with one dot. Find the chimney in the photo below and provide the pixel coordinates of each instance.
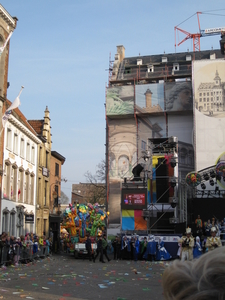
(148, 98)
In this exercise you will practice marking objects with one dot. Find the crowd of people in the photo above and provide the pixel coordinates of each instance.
(13, 249)
(201, 278)
(204, 238)
(135, 248)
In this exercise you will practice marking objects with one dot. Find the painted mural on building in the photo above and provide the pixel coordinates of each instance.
(178, 96)
(209, 113)
(120, 100)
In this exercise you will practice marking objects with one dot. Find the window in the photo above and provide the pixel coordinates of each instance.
(56, 169)
(45, 195)
(9, 139)
(176, 67)
(46, 162)
(56, 200)
(40, 156)
(22, 147)
(207, 99)
(32, 189)
(39, 191)
(15, 143)
(204, 99)
(21, 182)
(211, 93)
(207, 94)
(45, 226)
(5, 221)
(200, 99)
(6, 183)
(143, 145)
(150, 69)
(12, 223)
(28, 152)
(183, 158)
(27, 193)
(14, 186)
(200, 94)
(32, 154)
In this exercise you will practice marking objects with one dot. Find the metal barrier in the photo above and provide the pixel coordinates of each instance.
(25, 254)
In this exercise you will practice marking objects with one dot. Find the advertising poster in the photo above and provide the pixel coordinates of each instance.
(120, 101)
(149, 98)
(178, 96)
(122, 141)
(209, 111)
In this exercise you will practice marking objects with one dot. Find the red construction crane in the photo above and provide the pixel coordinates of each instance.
(196, 36)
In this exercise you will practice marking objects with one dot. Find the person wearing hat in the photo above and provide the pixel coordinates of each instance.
(213, 241)
(187, 243)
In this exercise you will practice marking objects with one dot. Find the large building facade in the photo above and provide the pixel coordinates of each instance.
(25, 157)
(18, 203)
(156, 97)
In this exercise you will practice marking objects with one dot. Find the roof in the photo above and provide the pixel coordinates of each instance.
(172, 57)
(37, 125)
(58, 156)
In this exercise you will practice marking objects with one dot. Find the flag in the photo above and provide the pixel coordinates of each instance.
(14, 105)
(3, 47)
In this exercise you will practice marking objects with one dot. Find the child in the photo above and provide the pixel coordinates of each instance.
(197, 250)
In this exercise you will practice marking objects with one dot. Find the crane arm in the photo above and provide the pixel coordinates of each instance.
(212, 31)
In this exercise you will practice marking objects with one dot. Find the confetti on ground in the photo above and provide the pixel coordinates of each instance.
(102, 286)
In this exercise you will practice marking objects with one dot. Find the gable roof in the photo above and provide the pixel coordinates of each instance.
(37, 125)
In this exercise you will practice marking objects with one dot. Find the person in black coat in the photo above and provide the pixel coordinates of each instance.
(100, 249)
(89, 249)
(114, 244)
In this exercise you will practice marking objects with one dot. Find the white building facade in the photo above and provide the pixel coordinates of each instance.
(18, 199)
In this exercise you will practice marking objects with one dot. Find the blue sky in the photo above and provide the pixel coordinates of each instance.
(60, 53)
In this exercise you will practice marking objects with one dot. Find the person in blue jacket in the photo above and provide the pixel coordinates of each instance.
(162, 253)
(197, 250)
(136, 246)
(151, 248)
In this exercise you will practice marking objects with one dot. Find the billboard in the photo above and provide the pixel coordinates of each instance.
(178, 96)
(120, 100)
(209, 111)
(133, 220)
(149, 98)
(134, 199)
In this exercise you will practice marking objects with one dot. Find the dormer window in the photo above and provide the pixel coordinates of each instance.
(139, 62)
(150, 68)
(164, 59)
(175, 67)
(188, 57)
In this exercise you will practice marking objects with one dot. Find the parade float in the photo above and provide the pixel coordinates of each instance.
(80, 220)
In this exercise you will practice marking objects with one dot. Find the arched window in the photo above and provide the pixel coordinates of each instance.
(14, 182)
(7, 180)
(32, 183)
(12, 222)
(20, 220)
(5, 220)
(21, 184)
(27, 186)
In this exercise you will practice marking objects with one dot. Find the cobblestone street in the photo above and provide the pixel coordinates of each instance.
(63, 277)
